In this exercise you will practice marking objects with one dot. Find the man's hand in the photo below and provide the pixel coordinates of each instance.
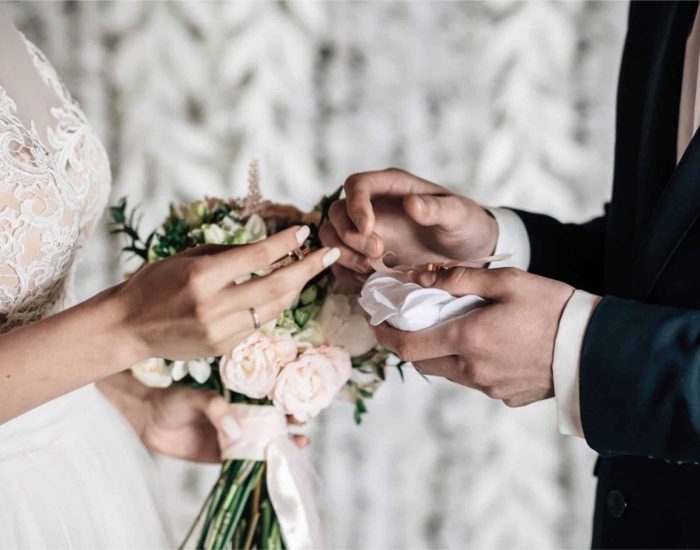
(504, 348)
(414, 220)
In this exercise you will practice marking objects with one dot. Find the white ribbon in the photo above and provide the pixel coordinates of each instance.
(265, 437)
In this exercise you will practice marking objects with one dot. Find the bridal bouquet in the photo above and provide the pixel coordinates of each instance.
(320, 347)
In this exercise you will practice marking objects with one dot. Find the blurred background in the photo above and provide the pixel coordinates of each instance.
(510, 102)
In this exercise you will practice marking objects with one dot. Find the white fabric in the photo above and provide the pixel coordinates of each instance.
(409, 306)
(567, 359)
(72, 472)
(512, 239)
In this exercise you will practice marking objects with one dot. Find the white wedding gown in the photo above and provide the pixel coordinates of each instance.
(73, 474)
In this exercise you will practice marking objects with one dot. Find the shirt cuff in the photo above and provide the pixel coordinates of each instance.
(567, 360)
(512, 239)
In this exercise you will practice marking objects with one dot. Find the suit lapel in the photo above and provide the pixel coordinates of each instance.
(675, 212)
(667, 197)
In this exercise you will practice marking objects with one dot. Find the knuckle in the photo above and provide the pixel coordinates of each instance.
(212, 336)
(510, 402)
(261, 256)
(392, 170)
(195, 275)
(336, 209)
(352, 182)
(200, 312)
(509, 275)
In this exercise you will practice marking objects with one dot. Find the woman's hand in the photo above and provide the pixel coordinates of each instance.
(177, 421)
(189, 306)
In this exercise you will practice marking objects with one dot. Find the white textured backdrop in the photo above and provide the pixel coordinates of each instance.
(511, 102)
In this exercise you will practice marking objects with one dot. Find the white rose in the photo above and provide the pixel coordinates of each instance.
(199, 369)
(308, 385)
(152, 372)
(255, 226)
(213, 234)
(252, 367)
(344, 325)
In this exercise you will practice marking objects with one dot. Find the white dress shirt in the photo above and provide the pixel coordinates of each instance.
(513, 238)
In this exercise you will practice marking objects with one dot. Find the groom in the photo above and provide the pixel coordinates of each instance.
(602, 316)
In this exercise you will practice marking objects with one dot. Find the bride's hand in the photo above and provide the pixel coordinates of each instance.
(177, 421)
(188, 306)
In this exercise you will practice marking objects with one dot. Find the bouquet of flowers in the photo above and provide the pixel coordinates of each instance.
(320, 347)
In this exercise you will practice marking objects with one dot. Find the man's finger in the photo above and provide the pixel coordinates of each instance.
(369, 245)
(446, 211)
(417, 346)
(444, 367)
(491, 284)
(361, 188)
(349, 258)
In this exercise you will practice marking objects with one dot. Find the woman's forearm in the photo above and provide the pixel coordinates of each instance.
(61, 353)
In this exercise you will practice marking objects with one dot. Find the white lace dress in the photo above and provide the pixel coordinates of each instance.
(73, 474)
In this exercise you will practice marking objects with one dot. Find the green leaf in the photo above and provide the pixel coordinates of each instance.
(303, 314)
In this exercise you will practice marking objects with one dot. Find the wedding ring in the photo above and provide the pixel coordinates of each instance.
(436, 267)
(301, 252)
(256, 319)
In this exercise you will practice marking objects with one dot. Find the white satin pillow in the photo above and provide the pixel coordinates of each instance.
(409, 306)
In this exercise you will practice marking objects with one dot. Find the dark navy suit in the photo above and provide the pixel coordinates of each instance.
(640, 363)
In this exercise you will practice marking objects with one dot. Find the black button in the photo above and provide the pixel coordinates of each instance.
(616, 503)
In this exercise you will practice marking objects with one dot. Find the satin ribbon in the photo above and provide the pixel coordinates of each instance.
(379, 265)
(265, 437)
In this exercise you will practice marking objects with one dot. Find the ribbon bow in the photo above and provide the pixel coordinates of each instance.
(265, 437)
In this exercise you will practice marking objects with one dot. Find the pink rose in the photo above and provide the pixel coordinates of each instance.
(308, 385)
(253, 365)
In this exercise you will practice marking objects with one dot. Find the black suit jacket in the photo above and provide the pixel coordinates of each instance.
(640, 363)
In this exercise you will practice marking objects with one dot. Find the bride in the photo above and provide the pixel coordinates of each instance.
(74, 428)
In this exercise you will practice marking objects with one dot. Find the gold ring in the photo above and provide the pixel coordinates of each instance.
(256, 319)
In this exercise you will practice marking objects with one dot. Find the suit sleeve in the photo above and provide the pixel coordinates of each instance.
(572, 253)
(640, 381)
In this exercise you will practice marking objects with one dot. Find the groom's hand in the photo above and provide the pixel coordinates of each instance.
(416, 221)
(504, 348)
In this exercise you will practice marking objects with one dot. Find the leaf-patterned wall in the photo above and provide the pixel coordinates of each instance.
(511, 102)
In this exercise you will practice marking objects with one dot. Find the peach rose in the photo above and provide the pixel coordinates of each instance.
(308, 385)
(253, 365)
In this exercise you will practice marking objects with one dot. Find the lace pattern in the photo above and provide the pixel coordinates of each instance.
(50, 200)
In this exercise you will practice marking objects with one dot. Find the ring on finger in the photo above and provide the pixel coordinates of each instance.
(256, 318)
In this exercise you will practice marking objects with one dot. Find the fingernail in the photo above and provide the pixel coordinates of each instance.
(302, 234)
(420, 203)
(428, 278)
(230, 427)
(331, 257)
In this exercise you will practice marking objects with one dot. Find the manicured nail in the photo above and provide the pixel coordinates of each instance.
(331, 257)
(302, 234)
(230, 427)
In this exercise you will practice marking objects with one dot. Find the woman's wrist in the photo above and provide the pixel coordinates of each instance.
(128, 348)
